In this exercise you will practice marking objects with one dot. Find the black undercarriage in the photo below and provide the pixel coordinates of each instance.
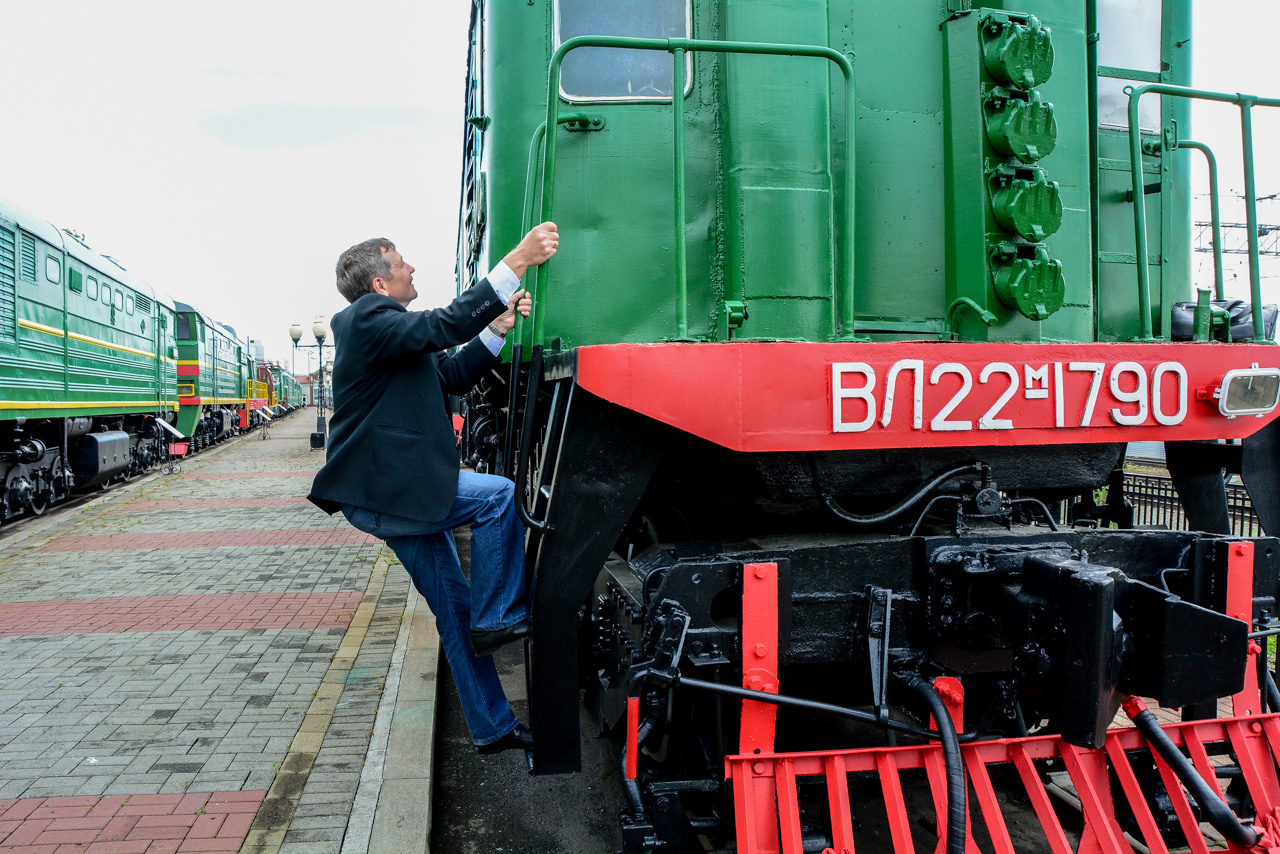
(42, 461)
(46, 460)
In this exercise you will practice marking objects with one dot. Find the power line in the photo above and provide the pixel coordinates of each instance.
(1235, 238)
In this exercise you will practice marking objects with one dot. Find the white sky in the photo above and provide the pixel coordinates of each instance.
(228, 152)
(1234, 50)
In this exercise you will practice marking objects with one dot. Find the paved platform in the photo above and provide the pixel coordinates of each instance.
(203, 661)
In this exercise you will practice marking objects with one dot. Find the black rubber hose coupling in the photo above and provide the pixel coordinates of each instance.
(957, 787)
(1212, 807)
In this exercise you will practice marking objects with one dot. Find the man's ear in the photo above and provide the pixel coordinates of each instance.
(378, 285)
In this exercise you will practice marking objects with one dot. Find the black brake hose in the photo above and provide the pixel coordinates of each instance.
(957, 788)
(1273, 694)
(905, 504)
(1217, 813)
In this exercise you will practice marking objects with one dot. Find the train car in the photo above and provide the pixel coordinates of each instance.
(831, 338)
(267, 380)
(258, 394)
(86, 367)
(210, 387)
(293, 390)
(284, 392)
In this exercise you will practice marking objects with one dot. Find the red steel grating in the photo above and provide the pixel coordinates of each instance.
(769, 825)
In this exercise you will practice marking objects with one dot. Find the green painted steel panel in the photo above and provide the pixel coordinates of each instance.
(28, 258)
(777, 114)
(8, 293)
(765, 164)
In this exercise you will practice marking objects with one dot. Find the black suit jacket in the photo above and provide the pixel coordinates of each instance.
(391, 446)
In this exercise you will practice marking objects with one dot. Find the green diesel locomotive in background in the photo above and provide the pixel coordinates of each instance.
(98, 370)
(856, 308)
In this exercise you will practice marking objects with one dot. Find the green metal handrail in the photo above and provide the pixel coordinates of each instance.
(1246, 104)
(1215, 216)
(530, 191)
(678, 48)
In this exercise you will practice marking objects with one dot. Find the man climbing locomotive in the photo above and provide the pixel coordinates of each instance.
(392, 465)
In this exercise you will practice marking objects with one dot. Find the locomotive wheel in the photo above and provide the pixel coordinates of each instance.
(14, 475)
(39, 505)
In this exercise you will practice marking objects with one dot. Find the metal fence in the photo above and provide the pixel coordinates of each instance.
(1155, 502)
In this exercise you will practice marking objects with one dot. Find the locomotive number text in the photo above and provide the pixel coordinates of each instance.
(1001, 396)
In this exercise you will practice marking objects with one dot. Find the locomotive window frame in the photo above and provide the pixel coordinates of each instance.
(106, 294)
(91, 288)
(128, 304)
(119, 299)
(53, 270)
(627, 99)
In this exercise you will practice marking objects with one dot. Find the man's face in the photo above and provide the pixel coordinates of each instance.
(400, 286)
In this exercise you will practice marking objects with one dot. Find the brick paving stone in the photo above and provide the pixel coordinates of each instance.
(214, 821)
(159, 652)
(212, 539)
(212, 503)
(182, 612)
(248, 474)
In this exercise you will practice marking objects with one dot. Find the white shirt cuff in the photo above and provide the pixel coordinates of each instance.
(503, 281)
(493, 342)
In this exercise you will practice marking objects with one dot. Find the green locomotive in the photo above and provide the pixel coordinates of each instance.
(288, 389)
(839, 346)
(87, 366)
(212, 378)
(98, 371)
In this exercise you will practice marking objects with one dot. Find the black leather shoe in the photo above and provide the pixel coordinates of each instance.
(520, 738)
(485, 643)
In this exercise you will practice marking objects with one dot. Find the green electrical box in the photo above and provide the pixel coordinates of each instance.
(1003, 202)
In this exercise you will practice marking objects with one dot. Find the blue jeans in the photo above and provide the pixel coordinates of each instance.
(493, 600)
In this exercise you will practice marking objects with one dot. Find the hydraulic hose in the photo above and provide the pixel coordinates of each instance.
(1217, 813)
(902, 507)
(957, 788)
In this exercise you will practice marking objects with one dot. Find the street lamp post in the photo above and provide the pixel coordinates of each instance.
(295, 332)
(317, 391)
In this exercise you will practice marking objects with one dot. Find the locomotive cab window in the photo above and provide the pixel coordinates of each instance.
(91, 288)
(53, 269)
(106, 293)
(119, 300)
(128, 304)
(607, 74)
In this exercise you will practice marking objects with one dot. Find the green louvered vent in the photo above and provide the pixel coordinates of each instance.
(143, 303)
(28, 257)
(7, 296)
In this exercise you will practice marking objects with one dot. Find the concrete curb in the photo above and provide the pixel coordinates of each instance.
(364, 808)
(402, 821)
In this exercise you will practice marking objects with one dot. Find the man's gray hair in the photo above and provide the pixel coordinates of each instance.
(361, 264)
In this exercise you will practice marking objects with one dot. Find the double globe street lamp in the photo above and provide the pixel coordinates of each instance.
(317, 393)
